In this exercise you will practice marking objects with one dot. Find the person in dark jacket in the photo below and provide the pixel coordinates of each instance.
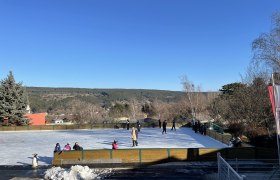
(173, 125)
(204, 129)
(159, 123)
(127, 124)
(164, 124)
(57, 148)
(138, 126)
(195, 127)
(77, 147)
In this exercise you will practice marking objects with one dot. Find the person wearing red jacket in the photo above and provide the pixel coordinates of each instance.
(114, 145)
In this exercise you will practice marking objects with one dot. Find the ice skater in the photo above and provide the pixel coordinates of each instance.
(159, 123)
(138, 126)
(127, 124)
(114, 145)
(34, 160)
(77, 147)
(164, 124)
(173, 125)
(67, 147)
(134, 136)
(57, 148)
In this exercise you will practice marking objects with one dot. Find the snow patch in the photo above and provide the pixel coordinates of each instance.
(76, 172)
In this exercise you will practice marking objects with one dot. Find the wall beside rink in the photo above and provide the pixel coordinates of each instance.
(136, 157)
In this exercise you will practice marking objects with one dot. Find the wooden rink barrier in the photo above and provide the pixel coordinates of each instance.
(122, 157)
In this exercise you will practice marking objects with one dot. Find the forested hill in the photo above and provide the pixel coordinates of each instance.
(110, 94)
(42, 98)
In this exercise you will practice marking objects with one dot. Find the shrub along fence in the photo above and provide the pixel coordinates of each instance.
(59, 127)
(224, 138)
(74, 126)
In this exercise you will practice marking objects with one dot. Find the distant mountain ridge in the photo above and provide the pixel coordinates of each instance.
(113, 94)
(43, 98)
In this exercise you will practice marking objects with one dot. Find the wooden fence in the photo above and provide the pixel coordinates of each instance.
(224, 138)
(156, 155)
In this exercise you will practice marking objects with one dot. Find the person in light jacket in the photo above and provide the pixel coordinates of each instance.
(134, 136)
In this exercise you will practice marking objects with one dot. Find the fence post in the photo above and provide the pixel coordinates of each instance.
(168, 152)
(236, 165)
(219, 165)
(215, 135)
(140, 156)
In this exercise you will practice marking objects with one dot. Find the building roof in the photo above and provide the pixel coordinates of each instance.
(37, 119)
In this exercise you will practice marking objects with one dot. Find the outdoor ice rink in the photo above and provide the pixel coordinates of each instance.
(17, 147)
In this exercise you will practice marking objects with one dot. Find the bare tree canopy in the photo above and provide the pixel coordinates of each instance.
(266, 47)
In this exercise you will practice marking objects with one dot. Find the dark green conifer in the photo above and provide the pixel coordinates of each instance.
(13, 102)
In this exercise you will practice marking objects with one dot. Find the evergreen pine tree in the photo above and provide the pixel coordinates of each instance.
(13, 102)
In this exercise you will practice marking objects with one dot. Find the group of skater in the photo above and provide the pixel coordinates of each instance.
(134, 132)
(67, 147)
(164, 124)
(197, 126)
(134, 136)
(138, 125)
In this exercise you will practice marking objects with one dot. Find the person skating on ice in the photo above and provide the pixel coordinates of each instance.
(173, 125)
(164, 124)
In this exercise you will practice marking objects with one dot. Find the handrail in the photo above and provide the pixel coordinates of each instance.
(229, 170)
(217, 128)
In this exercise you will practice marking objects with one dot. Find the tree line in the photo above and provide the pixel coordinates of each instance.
(243, 108)
(83, 109)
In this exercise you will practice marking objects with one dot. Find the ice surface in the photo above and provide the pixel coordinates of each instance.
(17, 147)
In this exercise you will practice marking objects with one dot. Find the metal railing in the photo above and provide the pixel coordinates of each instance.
(216, 128)
(225, 171)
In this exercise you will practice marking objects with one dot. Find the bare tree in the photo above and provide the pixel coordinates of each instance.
(96, 114)
(135, 108)
(77, 111)
(266, 47)
(159, 108)
(167, 111)
(193, 97)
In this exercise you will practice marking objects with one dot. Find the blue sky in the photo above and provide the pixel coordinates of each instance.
(147, 44)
